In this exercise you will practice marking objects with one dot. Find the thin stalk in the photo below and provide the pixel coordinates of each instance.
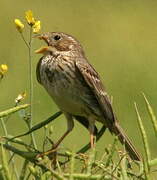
(13, 110)
(31, 86)
(72, 167)
(11, 154)
(40, 125)
(102, 167)
(29, 46)
(85, 176)
(24, 170)
(4, 127)
(31, 74)
(124, 169)
(90, 161)
(111, 152)
(6, 170)
(23, 38)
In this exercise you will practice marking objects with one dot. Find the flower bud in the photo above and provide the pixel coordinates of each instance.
(19, 25)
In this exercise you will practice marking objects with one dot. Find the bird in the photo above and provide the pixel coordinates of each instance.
(76, 88)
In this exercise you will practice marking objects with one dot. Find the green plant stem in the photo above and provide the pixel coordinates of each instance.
(20, 142)
(102, 167)
(72, 167)
(24, 170)
(32, 158)
(111, 152)
(4, 127)
(23, 38)
(31, 87)
(124, 168)
(40, 125)
(13, 110)
(84, 176)
(90, 162)
(5, 165)
(31, 75)
(11, 154)
(29, 46)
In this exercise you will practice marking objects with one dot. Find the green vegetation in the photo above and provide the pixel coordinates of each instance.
(119, 39)
(69, 165)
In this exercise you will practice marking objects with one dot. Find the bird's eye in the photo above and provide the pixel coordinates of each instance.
(57, 37)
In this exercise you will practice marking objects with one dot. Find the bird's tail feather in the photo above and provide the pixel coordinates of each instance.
(124, 139)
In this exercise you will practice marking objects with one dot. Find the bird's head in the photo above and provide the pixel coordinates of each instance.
(58, 42)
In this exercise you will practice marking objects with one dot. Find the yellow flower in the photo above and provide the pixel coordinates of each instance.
(19, 25)
(36, 27)
(29, 17)
(3, 68)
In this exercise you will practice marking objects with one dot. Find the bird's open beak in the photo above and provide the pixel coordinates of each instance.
(44, 49)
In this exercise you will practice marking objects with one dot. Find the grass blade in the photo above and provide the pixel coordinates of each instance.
(152, 115)
(145, 142)
(40, 125)
(7, 174)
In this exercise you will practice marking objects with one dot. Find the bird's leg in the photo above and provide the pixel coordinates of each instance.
(54, 146)
(70, 125)
(92, 140)
(91, 130)
(61, 139)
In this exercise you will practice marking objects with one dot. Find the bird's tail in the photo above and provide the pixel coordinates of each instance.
(124, 139)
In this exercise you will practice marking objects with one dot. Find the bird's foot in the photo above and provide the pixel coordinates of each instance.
(51, 154)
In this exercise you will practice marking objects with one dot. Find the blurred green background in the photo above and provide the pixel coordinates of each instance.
(120, 41)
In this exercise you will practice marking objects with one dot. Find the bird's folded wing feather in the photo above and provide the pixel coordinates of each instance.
(92, 79)
(38, 70)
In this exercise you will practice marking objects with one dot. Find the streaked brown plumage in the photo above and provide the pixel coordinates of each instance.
(76, 88)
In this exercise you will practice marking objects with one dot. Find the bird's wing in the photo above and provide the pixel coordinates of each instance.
(92, 79)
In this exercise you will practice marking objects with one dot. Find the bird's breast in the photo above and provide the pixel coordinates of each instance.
(60, 81)
(66, 86)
